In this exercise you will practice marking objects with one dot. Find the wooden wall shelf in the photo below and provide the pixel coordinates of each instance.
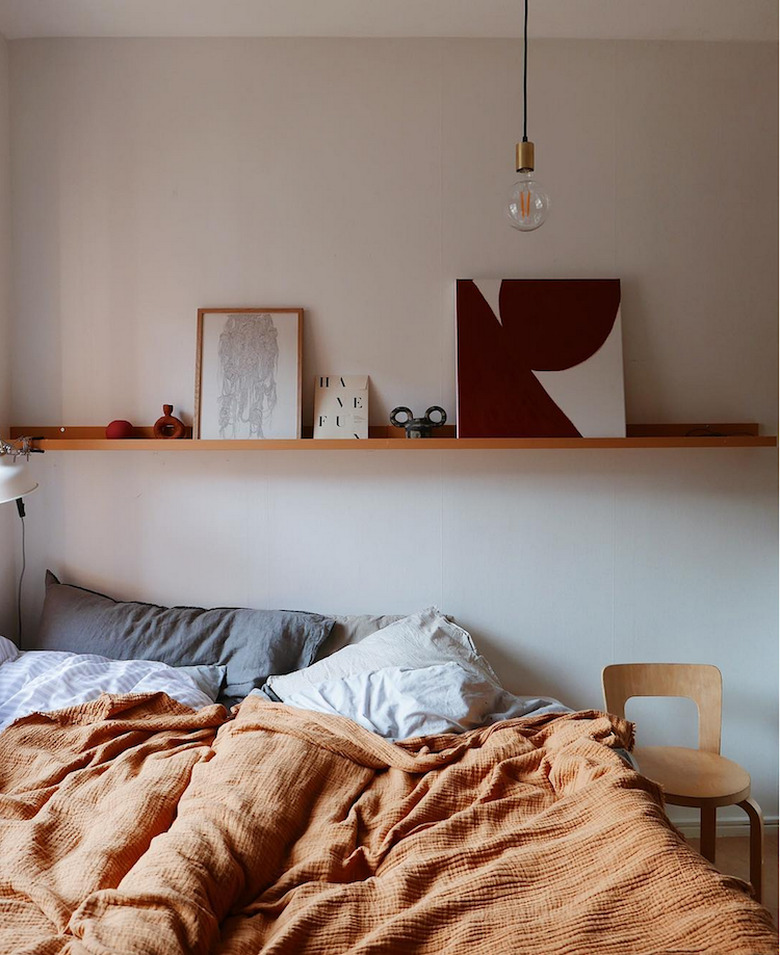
(393, 439)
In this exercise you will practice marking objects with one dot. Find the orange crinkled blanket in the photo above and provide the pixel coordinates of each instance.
(134, 826)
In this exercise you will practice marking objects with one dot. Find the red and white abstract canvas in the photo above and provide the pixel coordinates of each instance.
(539, 358)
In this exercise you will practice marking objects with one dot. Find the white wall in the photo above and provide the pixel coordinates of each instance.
(359, 179)
(8, 522)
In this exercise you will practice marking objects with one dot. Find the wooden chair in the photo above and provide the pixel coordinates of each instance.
(690, 777)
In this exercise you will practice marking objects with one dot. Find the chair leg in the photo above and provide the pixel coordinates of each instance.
(756, 817)
(707, 834)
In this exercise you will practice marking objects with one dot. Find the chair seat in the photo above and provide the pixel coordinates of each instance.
(691, 777)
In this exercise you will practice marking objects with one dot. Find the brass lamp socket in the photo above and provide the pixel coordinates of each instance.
(524, 156)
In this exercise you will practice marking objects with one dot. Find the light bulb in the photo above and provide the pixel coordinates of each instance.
(528, 203)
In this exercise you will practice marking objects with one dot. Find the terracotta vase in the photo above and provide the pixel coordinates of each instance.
(168, 426)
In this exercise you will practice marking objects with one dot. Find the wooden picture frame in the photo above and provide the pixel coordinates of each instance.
(248, 373)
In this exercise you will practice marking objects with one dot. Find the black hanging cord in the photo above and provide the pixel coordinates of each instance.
(20, 509)
(525, 74)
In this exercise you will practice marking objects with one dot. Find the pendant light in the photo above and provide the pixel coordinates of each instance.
(528, 203)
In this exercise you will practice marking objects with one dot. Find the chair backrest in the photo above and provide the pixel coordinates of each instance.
(700, 682)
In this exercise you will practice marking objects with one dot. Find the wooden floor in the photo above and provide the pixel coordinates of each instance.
(732, 855)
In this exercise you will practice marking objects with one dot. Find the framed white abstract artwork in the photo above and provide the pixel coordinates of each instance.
(248, 374)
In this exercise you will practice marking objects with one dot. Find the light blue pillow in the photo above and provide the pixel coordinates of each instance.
(419, 676)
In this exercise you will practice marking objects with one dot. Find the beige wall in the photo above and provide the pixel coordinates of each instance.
(359, 179)
(8, 523)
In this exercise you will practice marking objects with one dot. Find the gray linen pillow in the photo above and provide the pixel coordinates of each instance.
(252, 644)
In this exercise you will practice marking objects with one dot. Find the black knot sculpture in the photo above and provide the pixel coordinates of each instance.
(418, 427)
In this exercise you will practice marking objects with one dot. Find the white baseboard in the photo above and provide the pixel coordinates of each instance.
(726, 828)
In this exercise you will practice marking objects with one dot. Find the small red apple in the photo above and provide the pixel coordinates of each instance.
(119, 429)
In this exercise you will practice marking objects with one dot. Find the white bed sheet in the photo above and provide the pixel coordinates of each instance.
(38, 681)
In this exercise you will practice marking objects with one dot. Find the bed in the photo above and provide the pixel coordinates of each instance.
(308, 818)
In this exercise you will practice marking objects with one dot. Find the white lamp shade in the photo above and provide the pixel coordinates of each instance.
(15, 479)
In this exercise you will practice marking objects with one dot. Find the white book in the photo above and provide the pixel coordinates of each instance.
(341, 406)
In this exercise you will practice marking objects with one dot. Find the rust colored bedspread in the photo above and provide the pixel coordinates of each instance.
(134, 826)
